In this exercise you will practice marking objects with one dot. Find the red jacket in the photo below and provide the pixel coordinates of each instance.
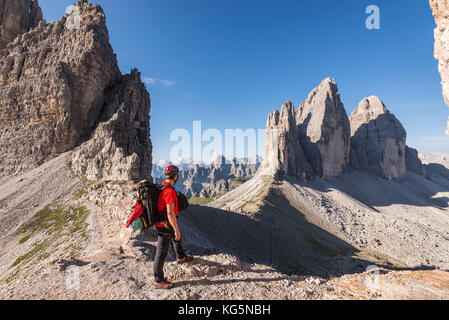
(137, 212)
(167, 196)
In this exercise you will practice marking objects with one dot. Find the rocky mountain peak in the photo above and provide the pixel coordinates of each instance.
(287, 114)
(369, 108)
(320, 140)
(284, 154)
(318, 96)
(61, 86)
(16, 18)
(378, 140)
(313, 140)
(323, 127)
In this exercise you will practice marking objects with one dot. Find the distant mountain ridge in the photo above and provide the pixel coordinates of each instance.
(208, 180)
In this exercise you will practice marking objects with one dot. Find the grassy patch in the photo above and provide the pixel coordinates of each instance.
(322, 248)
(398, 267)
(201, 201)
(237, 181)
(80, 194)
(37, 248)
(73, 250)
(382, 260)
(13, 276)
(121, 183)
(24, 239)
(44, 219)
(263, 192)
(54, 222)
(87, 184)
(265, 189)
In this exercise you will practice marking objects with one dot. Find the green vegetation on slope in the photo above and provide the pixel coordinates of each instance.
(201, 201)
(55, 222)
(261, 194)
(80, 194)
(322, 248)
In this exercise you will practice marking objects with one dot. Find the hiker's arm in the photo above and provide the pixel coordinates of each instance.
(173, 221)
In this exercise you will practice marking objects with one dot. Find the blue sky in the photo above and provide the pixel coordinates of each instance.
(230, 63)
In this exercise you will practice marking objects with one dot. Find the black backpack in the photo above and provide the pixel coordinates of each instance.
(183, 203)
(148, 195)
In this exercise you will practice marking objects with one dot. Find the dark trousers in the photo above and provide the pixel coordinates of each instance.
(165, 237)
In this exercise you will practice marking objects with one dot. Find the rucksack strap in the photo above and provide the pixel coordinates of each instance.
(163, 187)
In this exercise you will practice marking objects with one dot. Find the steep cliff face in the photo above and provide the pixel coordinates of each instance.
(284, 153)
(16, 18)
(378, 140)
(413, 162)
(314, 140)
(60, 86)
(324, 130)
(440, 10)
(120, 147)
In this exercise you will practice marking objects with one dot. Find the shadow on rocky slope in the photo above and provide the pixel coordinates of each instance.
(279, 236)
(436, 171)
(411, 189)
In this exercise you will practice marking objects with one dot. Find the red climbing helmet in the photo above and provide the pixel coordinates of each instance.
(171, 171)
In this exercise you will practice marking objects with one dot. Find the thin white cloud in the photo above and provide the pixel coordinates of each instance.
(155, 82)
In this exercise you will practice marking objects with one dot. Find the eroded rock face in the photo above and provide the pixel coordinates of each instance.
(120, 147)
(284, 153)
(323, 127)
(60, 86)
(413, 162)
(312, 141)
(16, 18)
(320, 140)
(378, 140)
(440, 10)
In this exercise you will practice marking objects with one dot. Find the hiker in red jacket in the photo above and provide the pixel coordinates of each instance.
(168, 231)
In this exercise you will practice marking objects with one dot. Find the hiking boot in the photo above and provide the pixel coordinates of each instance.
(164, 284)
(185, 259)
